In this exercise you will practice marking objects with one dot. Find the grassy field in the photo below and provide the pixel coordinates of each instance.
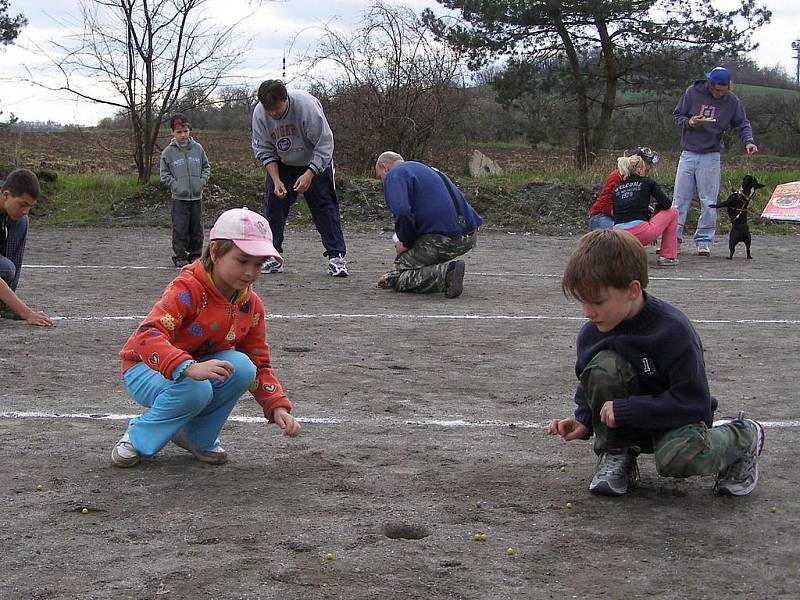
(540, 191)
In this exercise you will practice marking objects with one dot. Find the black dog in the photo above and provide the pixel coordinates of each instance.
(737, 211)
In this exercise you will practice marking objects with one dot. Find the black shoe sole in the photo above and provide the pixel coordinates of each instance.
(454, 279)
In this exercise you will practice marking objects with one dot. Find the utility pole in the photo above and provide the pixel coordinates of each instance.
(796, 48)
(284, 63)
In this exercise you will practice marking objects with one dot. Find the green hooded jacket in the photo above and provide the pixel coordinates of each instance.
(185, 170)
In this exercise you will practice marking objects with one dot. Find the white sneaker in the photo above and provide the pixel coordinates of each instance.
(703, 249)
(272, 265)
(337, 266)
(212, 456)
(124, 454)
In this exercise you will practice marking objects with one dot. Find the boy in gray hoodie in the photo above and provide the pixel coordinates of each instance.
(707, 109)
(185, 169)
(292, 139)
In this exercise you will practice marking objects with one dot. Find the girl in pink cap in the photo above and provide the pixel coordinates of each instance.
(201, 347)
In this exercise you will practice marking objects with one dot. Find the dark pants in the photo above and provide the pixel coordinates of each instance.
(187, 229)
(11, 261)
(322, 203)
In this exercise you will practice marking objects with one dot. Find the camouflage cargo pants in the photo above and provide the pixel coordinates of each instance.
(421, 268)
(681, 452)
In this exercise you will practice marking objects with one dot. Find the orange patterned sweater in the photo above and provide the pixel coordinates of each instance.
(192, 319)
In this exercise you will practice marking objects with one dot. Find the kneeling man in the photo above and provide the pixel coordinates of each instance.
(433, 225)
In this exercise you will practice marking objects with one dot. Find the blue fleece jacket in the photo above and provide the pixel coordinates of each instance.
(419, 199)
(727, 111)
(667, 355)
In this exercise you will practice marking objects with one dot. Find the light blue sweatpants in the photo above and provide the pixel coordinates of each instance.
(199, 408)
(700, 173)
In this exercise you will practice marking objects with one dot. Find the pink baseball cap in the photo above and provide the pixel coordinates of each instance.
(248, 230)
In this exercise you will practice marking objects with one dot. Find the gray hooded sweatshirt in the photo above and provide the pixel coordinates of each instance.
(301, 137)
(185, 170)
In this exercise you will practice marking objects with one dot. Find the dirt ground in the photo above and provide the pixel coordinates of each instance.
(419, 411)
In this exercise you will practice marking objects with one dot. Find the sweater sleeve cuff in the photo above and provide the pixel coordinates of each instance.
(623, 413)
(177, 372)
(269, 409)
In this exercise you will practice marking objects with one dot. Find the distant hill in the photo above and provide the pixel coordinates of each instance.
(746, 90)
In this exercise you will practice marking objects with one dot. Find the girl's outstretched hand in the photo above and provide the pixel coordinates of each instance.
(286, 422)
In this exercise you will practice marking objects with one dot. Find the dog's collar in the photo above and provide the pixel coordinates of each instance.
(745, 196)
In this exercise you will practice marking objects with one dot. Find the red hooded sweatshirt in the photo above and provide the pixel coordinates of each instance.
(193, 319)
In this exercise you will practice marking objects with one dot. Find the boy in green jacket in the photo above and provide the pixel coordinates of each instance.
(185, 169)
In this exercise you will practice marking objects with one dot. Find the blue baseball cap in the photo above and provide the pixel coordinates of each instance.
(719, 76)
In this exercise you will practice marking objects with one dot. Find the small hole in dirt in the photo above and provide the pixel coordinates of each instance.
(405, 531)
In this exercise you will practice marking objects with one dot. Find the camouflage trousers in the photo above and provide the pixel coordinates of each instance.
(684, 451)
(421, 268)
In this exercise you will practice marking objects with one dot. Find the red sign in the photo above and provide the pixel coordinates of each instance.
(784, 205)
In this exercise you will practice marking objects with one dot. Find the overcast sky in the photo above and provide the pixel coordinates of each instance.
(271, 26)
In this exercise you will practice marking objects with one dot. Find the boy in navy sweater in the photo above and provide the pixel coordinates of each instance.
(433, 225)
(20, 192)
(643, 385)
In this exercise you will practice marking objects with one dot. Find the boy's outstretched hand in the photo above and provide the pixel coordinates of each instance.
(39, 318)
(569, 429)
(286, 422)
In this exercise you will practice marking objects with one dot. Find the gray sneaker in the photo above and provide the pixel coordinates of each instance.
(124, 454)
(616, 472)
(271, 265)
(740, 478)
(454, 279)
(212, 456)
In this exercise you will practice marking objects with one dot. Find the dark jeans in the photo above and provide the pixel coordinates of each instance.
(322, 203)
(11, 260)
(187, 229)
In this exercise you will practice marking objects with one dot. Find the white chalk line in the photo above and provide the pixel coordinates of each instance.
(651, 277)
(413, 317)
(102, 267)
(444, 423)
(477, 274)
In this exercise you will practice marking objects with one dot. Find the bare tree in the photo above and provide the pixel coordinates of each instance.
(141, 56)
(9, 30)
(389, 85)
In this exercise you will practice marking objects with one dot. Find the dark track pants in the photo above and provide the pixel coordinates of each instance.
(187, 229)
(322, 203)
(11, 261)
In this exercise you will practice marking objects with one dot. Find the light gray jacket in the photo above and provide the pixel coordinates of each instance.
(301, 137)
(185, 170)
